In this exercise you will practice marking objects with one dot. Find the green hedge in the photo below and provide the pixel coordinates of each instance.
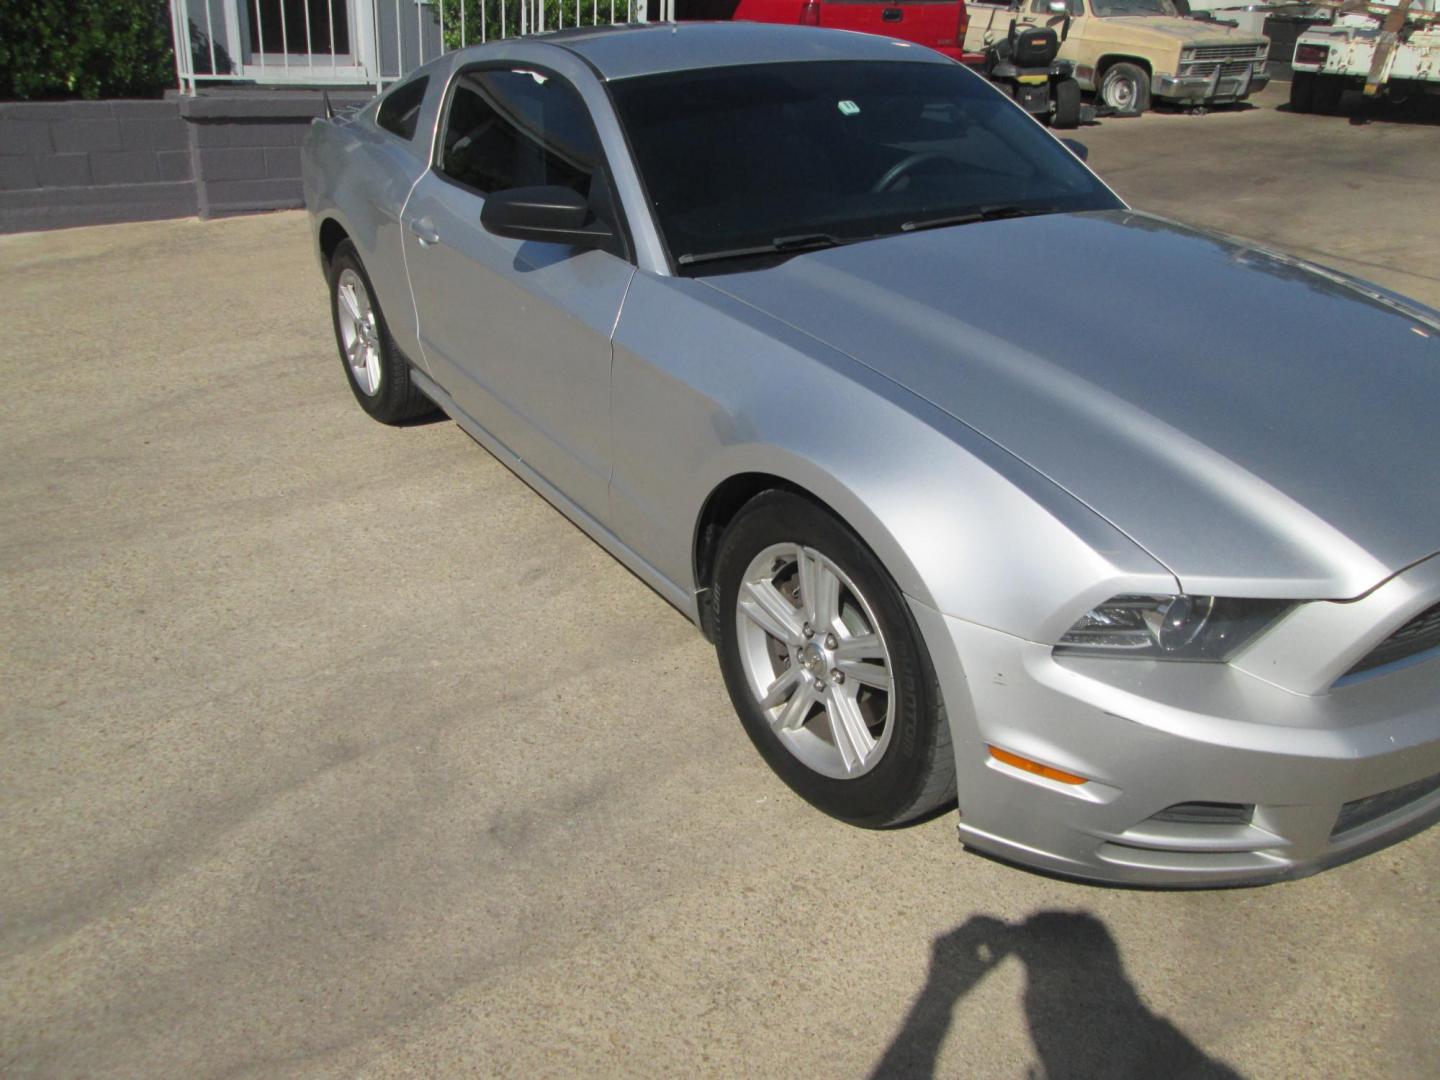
(85, 48)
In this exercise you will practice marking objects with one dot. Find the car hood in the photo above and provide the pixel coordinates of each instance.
(1189, 31)
(1260, 425)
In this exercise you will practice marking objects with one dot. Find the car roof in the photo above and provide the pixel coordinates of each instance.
(625, 52)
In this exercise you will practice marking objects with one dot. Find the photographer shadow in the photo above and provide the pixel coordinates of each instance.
(1085, 1017)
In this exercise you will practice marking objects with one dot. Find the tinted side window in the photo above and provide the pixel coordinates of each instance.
(518, 128)
(400, 111)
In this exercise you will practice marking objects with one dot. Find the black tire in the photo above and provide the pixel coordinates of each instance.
(914, 772)
(1329, 89)
(1067, 105)
(395, 397)
(1125, 87)
(1302, 92)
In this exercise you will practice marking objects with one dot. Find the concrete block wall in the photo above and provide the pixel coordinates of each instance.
(92, 162)
(95, 162)
(245, 147)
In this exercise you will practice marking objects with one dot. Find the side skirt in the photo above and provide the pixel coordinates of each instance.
(674, 594)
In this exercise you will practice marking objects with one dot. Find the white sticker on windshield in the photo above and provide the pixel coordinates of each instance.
(849, 108)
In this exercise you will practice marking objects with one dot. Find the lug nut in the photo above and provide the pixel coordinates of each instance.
(838, 676)
(819, 684)
(830, 641)
(809, 633)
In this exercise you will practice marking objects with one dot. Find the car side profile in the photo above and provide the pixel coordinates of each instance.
(1140, 570)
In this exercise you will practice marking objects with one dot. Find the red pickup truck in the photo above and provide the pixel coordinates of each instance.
(940, 24)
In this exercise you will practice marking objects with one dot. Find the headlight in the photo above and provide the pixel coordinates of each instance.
(1181, 627)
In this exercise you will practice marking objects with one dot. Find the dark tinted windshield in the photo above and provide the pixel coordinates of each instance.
(740, 156)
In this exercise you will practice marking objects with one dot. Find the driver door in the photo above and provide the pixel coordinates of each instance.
(518, 332)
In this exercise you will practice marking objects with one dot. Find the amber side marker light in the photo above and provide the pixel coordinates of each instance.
(1035, 767)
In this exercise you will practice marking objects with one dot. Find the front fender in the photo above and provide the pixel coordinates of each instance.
(706, 388)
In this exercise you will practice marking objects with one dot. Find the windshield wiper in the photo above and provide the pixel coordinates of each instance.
(985, 213)
(781, 244)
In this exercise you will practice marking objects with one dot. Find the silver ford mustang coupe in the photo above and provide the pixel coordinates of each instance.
(986, 487)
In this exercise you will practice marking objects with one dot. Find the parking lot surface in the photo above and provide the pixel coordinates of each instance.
(332, 749)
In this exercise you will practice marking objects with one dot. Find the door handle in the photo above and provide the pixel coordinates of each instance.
(892, 14)
(424, 230)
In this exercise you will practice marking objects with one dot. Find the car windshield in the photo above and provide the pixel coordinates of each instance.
(812, 153)
(1109, 8)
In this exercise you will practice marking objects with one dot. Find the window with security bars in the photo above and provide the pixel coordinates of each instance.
(299, 27)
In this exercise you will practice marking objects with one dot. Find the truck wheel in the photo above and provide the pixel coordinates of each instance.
(1067, 104)
(1302, 92)
(1126, 89)
(1328, 91)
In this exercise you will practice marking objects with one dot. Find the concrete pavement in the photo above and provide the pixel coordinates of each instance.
(331, 749)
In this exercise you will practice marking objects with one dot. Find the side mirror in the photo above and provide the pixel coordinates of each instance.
(552, 215)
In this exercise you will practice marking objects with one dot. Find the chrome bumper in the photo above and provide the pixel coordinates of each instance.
(1214, 87)
(1151, 735)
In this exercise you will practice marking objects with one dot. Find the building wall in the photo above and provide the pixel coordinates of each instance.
(245, 147)
(96, 162)
(93, 162)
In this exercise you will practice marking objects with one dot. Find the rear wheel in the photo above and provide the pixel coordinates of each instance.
(1067, 104)
(826, 668)
(1302, 92)
(1329, 89)
(378, 374)
(1125, 88)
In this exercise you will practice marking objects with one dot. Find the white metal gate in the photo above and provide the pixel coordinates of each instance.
(358, 42)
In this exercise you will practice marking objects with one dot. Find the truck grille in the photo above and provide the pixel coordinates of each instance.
(1373, 807)
(1420, 634)
(1230, 70)
(1226, 52)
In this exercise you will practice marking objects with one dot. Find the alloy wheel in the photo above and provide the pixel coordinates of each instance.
(815, 660)
(359, 332)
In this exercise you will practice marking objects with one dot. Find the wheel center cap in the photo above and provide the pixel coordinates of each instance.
(813, 659)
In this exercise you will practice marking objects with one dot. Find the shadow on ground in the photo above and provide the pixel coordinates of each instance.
(1359, 110)
(1085, 1017)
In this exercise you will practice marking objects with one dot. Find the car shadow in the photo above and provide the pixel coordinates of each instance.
(1085, 1017)
(424, 420)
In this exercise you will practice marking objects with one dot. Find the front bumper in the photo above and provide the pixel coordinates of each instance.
(1151, 735)
(1216, 87)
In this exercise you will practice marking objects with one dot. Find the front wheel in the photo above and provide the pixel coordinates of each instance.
(826, 667)
(1125, 88)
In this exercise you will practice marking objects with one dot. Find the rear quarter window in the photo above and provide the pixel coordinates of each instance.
(400, 109)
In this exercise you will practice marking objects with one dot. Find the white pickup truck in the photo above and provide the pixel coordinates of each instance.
(1389, 50)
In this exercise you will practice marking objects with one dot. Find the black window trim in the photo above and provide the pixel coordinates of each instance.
(622, 225)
